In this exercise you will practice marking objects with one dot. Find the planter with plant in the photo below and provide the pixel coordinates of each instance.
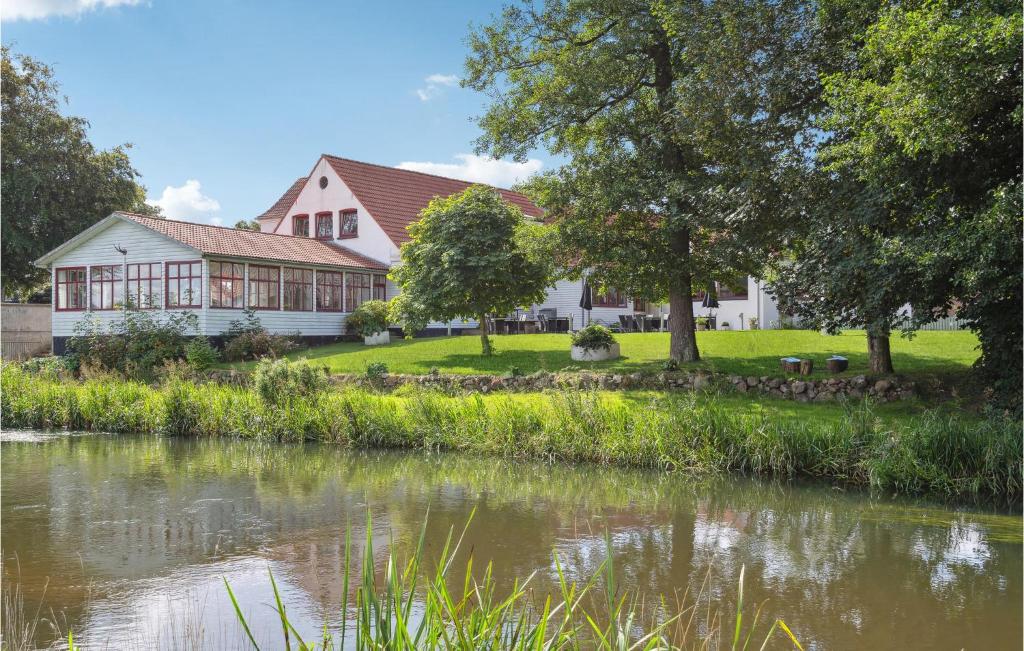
(703, 322)
(370, 320)
(726, 326)
(594, 344)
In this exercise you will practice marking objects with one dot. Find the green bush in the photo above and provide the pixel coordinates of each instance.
(134, 345)
(200, 354)
(376, 370)
(247, 339)
(592, 337)
(369, 318)
(278, 381)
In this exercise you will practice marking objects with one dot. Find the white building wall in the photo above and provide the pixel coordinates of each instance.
(143, 246)
(372, 241)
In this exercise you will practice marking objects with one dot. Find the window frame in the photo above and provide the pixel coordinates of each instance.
(84, 304)
(601, 300)
(319, 274)
(112, 281)
(352, 305)
(295, 220)
(133, 284)
(729, 294)
(297, 283)
(316, 220)
(167, 284)
(342, 215)
(383, 287)
(257, 282)
(221, 277)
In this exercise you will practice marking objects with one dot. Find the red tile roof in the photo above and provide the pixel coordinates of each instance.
(280, 208)
(395, 197)
(230, 242)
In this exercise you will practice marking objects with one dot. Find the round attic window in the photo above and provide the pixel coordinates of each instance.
(323, 182)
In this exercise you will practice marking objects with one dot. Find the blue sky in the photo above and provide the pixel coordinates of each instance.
(227, 102)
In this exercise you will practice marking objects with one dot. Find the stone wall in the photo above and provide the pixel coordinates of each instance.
(800, 389)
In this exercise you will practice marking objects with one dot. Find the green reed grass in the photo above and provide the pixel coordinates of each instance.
(409, 606)
(931, 453)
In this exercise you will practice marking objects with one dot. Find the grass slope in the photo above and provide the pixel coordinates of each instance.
(740, 352)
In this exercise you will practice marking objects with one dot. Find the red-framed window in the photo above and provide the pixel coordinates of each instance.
(298, 289)
(348, 223)
(227, 285)
(71, 290)
(264, 287)
(329, 291)
(358, 290)
(610, 298)
(106, 286)
(184, 284)
(380, 287)
(300, 225)
(144, 280)
(325, 226)
(727, 292)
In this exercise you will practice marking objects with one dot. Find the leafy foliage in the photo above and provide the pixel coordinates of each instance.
(134, 345)
(471, 254)
(200, 354)
(56, 184)
(279, 381)
(369, 318)
(683, 123)
(592, 337)
(247, 339)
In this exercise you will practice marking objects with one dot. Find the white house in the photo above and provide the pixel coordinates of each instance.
(324, 247)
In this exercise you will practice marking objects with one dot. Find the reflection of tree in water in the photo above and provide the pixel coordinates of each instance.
(838, 567)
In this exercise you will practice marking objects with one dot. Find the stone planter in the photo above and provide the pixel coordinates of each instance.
(790, 364)
(381, 338)
(594, 355)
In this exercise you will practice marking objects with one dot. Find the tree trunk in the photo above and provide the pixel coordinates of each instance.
(879, 359)
(485, 341)
(683, 339)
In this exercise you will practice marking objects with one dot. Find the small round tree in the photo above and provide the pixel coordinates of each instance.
(471, 254)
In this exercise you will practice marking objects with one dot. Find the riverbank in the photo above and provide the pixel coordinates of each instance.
(943, 455)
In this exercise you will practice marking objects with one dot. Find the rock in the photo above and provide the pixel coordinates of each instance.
(700, 382)
(799, 387)
(860, 381)
(752, 381)
(882, 386)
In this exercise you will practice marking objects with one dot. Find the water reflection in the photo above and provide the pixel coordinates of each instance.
(135, 533)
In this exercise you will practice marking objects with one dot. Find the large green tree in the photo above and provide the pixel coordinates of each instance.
(55, 183)
(921, 170)
(471, 254)
(682, 124)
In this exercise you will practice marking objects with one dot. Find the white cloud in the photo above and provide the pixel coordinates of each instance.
(479, 169)
(38, 9)
(436, 83)
(187, 202)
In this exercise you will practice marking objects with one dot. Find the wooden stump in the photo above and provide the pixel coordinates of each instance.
(806, 366)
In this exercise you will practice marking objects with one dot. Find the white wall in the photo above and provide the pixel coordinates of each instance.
(143, 245)
(372, 241)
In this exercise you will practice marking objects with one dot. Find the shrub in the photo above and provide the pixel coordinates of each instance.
(134, 345)
(376, 371)
(200, 354)
(279, 381)
(247, 339)
(369, 318)
(670, 365)
(592, 337)
(49, 366)
(753, 323)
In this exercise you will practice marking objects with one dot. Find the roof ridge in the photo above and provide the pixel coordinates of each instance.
(427, 174)
(226, 228)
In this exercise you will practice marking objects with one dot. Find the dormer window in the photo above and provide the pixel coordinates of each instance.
(325, 225)
(349, 223)
(300, 225)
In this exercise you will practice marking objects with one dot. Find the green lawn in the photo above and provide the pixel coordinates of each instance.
(738, 352)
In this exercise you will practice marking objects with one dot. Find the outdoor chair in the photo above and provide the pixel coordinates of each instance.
(626, 323)
(639, 324)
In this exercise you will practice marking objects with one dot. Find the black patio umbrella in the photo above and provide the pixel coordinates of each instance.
(587, 301)
(709, 301)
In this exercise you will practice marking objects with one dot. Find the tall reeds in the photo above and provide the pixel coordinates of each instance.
(932, 453)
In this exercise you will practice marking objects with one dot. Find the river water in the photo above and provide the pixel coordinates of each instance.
(127, 540)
